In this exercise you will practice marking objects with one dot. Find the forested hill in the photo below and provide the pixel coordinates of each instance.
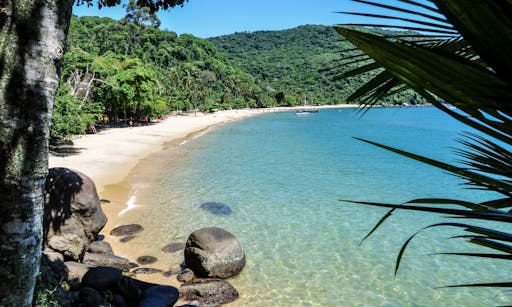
(295, 62)
(290, 61)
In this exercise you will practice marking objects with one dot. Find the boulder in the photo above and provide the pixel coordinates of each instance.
(72, 212)
(159, 296)
(112, 261)
(214, 252)
(216, 208)
(100, 247)
(208, 292)
(102, 278)
(126, 230)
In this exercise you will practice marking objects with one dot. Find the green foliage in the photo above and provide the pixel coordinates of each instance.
(69, 117)
(458, 61)
(293, 62)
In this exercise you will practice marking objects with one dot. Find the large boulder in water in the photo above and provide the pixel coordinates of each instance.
(208, 292)
(72, 215)
(214, 252)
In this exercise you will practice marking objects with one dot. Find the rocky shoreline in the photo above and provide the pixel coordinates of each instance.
(84, 270)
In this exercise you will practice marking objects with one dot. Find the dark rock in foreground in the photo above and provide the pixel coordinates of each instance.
(126, 230)
(214, 252)
(159, 296)
(146, 260)
(173, 247)
(208, 292)
(216, 208)
(102, 278)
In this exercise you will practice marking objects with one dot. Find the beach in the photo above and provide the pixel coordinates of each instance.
(110, 157)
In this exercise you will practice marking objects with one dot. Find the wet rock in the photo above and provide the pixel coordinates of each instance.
(126, 230)
(100, 247)
(126, 239)
(173, 247)
(214, 252)
(102, 278)
(112, 261)
(208, 292)
(187, 275)
(159, 296)
(72, 212)
(132, 265)
(143, 260)
(105, 201)
(147, 271)
(216, 208)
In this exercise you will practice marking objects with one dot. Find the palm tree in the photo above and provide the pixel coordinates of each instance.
(454, 52)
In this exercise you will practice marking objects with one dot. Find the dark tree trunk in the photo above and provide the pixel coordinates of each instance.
(32, 35)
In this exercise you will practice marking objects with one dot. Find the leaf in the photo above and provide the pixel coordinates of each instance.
(379, 223)
(452, 77)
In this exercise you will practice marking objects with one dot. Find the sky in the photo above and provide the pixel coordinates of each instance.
(209, 18)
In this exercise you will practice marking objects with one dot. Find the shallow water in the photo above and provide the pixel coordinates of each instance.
(282, 176)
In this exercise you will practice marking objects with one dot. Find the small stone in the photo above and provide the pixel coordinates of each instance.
(187, 275)
(143, 260)
(100, 247)
(209, 292)
(146, 271)
(173, 247)
(126, 239)
(216, 208)
(126, 230)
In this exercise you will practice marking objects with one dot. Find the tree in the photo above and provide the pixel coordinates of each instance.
(460, 57)
(32, 37)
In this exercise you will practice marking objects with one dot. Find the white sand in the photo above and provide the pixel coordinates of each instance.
(108, 157)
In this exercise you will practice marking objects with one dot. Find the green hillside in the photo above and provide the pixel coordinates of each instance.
(298, 62)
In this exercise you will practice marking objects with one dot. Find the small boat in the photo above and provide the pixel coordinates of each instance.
(306, 111)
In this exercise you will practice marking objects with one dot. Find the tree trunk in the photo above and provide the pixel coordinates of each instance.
(32, 35)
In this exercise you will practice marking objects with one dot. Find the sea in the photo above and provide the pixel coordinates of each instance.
(285, 179)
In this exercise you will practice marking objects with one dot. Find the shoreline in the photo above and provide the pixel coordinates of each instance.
(118, 159)
(108, 156)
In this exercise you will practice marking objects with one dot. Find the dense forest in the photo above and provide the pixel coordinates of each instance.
(301, 63)
(130, 70)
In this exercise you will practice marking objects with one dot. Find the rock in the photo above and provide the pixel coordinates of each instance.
(112, 261)
(131, 289)
(133, 265)
(146, 260)
(53, 256)
(100, 247)
(209, 292)
(173, 247)
(147, 271)
(118, 301)
(126, 239)
(159, 296)
(68, 244)
(216, 208)
(187, 275)
(102, 278)
(91, 298)
(76, 272)
(72, 212)
(214, 252)
(126, 230)
(104, 201)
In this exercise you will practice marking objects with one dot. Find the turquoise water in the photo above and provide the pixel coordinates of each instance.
(283, 176)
